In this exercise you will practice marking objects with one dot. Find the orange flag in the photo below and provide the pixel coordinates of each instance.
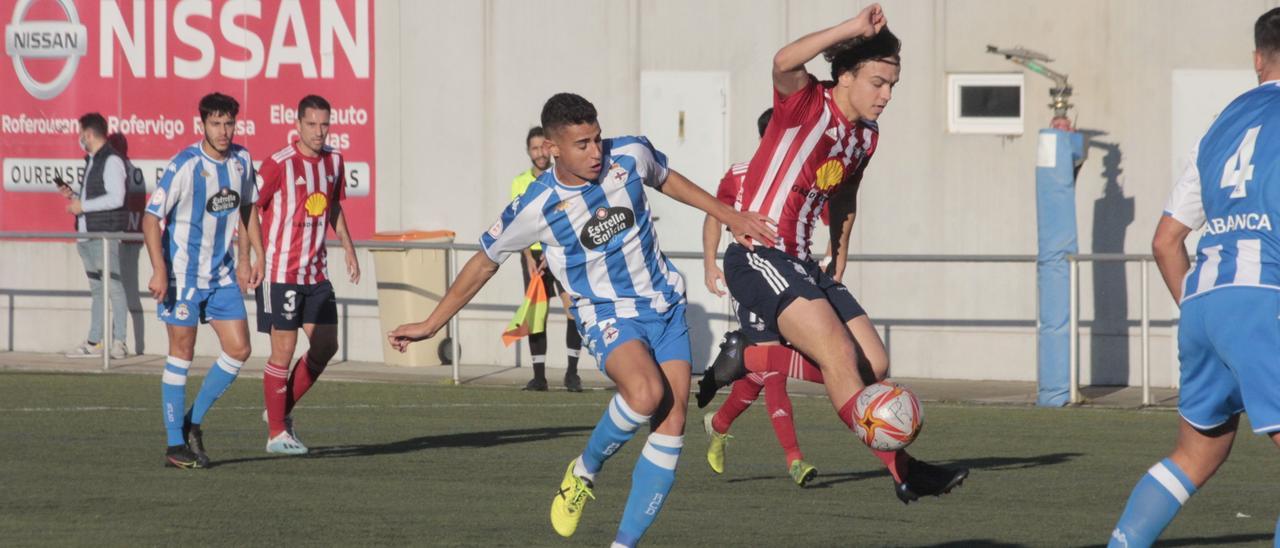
(532, 315)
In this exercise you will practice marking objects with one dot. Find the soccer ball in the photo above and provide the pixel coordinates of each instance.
(887, 416)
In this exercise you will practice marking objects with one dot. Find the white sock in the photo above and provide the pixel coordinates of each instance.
(580, 470)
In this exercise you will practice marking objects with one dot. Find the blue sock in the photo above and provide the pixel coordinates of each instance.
(650, 483)
(221, 375)
(1152, 505)
(173, 397)
(618, 425)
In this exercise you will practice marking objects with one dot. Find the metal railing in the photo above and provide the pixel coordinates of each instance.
(451, 250)
(1144, 322)
(106, 238)
(451, 262)
(452, 266)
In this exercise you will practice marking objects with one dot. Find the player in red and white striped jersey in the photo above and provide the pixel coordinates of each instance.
(772, 380)
(809, 150)
(301, 190)
(816, 150)
(299, 198)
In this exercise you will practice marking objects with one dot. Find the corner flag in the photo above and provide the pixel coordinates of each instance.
(532, 315)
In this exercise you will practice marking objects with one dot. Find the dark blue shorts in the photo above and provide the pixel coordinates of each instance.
(287, 306)
(763, 282)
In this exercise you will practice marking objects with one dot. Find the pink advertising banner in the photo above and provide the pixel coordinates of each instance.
(145, 65)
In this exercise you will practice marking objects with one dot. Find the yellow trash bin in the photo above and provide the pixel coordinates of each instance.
(411, 283)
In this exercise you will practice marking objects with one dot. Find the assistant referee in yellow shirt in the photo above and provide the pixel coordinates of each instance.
(535, 265)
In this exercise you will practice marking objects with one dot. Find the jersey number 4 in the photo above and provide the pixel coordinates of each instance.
(1239, 167)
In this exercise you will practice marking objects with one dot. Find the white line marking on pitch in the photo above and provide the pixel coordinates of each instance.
(96, 408)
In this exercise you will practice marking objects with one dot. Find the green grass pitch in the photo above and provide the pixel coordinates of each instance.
(81, 455)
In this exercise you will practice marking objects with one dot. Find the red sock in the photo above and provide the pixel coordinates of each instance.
(782, 359)
(756, 357)
(274, 385)
(304, 375)
(744, 393)
(795, 365)
(895, 461)
(779, 406)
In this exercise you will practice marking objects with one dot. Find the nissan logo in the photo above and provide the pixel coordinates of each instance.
(45, 40)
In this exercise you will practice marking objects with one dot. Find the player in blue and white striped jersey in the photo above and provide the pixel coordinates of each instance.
(583, 220)
(204, 196)
(1229, 334)
(591, 215)
(197, 238)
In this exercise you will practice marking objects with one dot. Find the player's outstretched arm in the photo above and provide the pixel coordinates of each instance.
(474, 275)
(1169, 248)
(789, 75)
(159, 283)
(745, 226)
(714, 277)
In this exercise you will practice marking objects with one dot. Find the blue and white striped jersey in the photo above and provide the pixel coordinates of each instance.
(1229, 188)
(598, 239)
(199, 199)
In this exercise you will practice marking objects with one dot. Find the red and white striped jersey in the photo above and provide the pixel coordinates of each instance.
(808, 150)
(730, 189)
(295, 195)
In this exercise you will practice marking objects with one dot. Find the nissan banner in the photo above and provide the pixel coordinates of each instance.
(145, 65)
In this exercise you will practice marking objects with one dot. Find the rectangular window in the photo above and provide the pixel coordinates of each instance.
(988, 103)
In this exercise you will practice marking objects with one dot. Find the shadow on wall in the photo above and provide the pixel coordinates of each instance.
(699, 332)
(131, 252)
(1113, 213)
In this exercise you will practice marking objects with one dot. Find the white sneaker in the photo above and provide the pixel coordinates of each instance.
(285, 444)
(85, 350)
(288, 424)
(119, 351)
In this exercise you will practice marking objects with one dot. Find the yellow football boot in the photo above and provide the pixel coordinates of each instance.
(802, 472)
(566, 507)
(715, 449)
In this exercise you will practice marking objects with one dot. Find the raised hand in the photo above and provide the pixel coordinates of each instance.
(870, 21)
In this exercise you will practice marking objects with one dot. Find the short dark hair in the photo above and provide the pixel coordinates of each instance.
(535, 131)
(763, 121)
(1266, 33)
(94, 122)
(312, 101)
(217, 103)
(567, 109)
(850, 55)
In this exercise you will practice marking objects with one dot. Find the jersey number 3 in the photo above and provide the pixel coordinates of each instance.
(1239, 167)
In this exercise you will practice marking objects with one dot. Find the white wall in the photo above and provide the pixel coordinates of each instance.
(926, 191)
(459, 83)
(42, 323)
